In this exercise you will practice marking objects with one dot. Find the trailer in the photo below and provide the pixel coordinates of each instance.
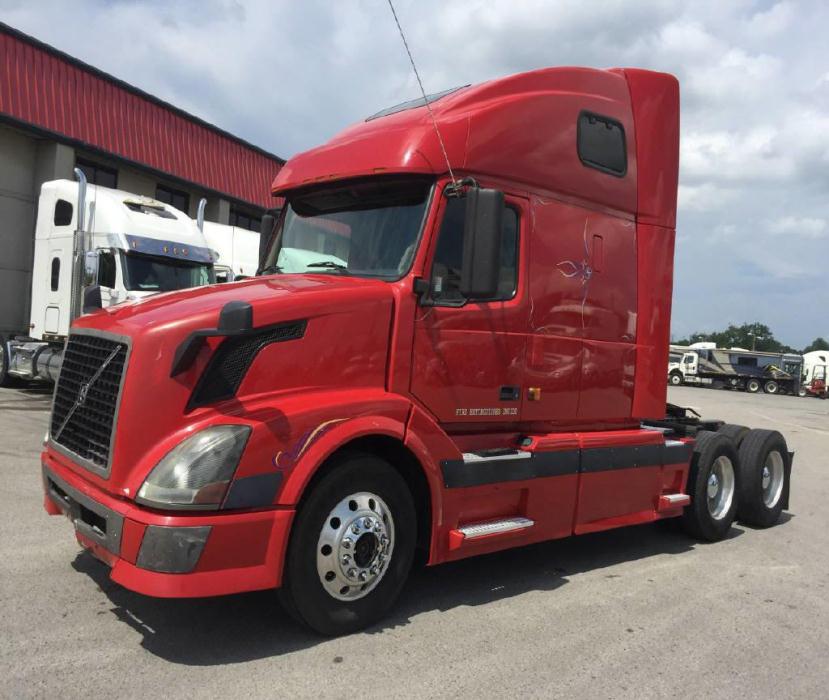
(456, 346)
(744, 370)
(94, 247)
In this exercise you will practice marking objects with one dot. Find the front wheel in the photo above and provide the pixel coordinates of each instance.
(712, 485)
(351, 547)
(675, 379)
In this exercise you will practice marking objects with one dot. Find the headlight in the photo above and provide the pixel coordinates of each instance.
(197, 472)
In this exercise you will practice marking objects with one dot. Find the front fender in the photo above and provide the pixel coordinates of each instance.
(325, 439)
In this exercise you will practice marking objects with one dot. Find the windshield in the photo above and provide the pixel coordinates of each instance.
(369, 229)
(150, 273)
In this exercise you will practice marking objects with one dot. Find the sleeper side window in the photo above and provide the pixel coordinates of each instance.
(55, 281)
(446, 267)
(63, 213)
(601, 144)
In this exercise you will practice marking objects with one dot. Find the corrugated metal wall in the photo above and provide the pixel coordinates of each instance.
(40, 88)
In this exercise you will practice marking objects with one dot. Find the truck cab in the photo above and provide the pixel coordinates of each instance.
(456, 345)
(133, 247)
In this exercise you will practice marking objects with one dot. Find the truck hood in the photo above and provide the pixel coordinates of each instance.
(344, 345)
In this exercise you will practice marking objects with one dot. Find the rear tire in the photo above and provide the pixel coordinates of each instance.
(736, 432)
(763, 478)
(752, 386)
(771, 387)
(361, 495)
(712, 485)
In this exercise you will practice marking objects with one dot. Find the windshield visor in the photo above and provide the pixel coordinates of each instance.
(367, 229)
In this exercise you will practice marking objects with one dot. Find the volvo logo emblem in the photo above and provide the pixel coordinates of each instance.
(82, 393)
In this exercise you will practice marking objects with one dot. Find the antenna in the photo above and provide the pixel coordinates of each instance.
(425, 99)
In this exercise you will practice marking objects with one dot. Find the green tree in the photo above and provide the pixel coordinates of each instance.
(817, 344)
(751, 336)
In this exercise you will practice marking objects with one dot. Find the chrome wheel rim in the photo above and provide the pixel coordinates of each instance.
(355, 546)
(720, 488)
(773, 477)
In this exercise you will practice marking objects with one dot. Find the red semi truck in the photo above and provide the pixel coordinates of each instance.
(456, 345)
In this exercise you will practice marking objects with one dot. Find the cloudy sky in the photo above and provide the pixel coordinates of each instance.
(753, 231)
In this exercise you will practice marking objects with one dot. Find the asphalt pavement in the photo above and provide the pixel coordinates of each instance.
(634, 613)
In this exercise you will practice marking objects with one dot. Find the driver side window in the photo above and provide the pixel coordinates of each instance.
(446, 267)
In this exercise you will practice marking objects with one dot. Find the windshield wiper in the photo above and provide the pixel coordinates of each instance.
(330, 264)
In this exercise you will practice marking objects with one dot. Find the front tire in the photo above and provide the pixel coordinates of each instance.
(763, 477)
(712, 484)
(675, 379)
(351, 548)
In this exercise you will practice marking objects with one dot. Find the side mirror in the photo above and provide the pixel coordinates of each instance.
(90, 267)
(265, 231)
(482, 243)
(91, 299)
(235, 317)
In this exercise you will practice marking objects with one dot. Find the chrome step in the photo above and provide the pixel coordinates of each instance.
(672, 501)
(497, 456)
(494, 527)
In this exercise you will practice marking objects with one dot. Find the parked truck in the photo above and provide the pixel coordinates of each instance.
(816, 373)
(114, 244)
(744, 370)
(443, 357)
(235, 249)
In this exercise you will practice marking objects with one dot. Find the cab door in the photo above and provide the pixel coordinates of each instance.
(468, 362)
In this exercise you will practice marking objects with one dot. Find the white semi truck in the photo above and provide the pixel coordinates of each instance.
(94, 246)
(236, 251)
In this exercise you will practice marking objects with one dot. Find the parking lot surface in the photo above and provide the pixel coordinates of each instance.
(638, 612)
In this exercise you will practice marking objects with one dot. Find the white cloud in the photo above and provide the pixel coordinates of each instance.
(799, 226)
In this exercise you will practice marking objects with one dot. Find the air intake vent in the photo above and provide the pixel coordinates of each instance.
(233, 358)
(86, 398)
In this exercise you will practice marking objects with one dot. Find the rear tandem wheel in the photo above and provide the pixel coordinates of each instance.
(764, 472)
(712, 484)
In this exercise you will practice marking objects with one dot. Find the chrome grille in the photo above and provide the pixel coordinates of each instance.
(86, 397)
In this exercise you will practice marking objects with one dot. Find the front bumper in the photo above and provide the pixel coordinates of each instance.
(170, 556)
